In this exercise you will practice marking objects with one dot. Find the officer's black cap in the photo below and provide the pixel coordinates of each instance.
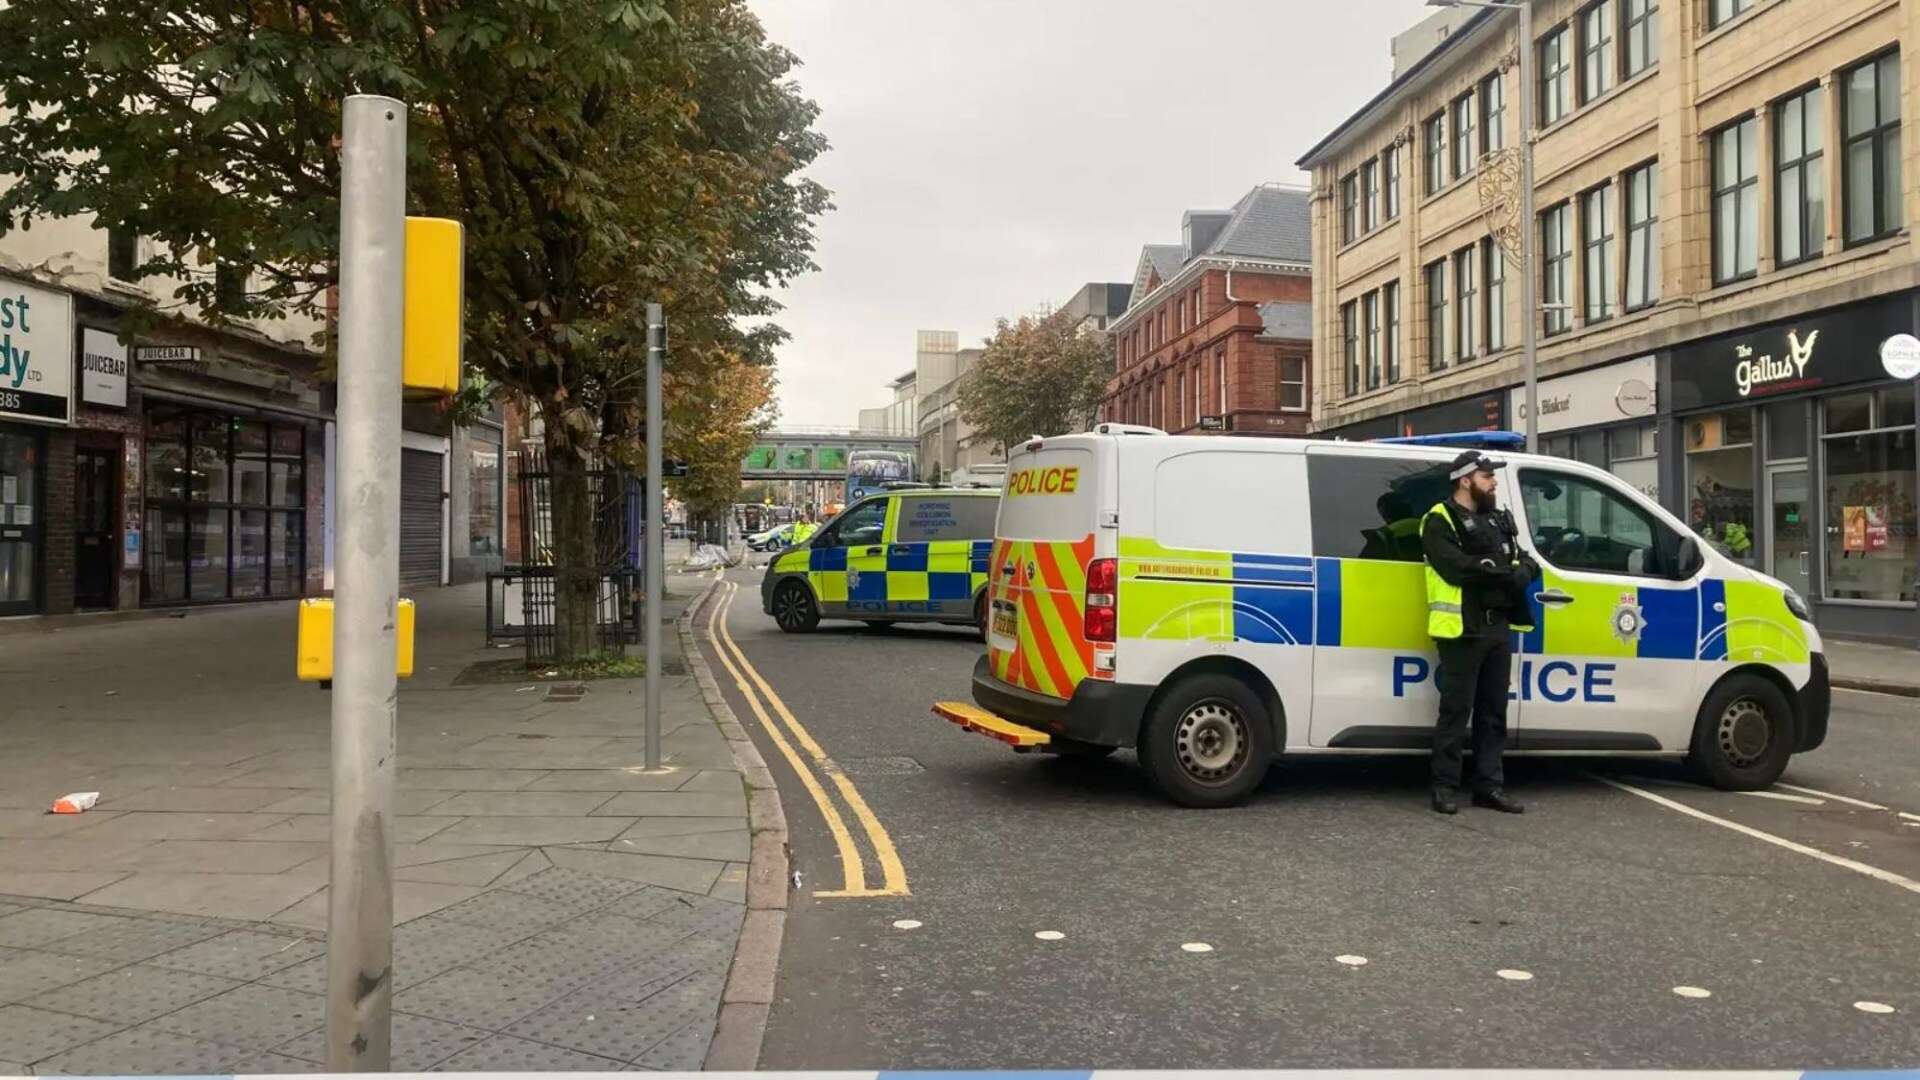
(1473, 461)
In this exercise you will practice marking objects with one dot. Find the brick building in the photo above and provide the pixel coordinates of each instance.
(1720, 201)
(1217, 334)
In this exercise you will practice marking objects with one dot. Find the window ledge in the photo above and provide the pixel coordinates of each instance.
(1825, 261)
(1612, 92)
(1448, 187)
(1735, 23)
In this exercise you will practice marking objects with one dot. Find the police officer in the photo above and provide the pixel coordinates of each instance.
(1476, 594)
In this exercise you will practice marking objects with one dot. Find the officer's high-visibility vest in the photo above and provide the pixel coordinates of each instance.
(1444, 619)
(804, 530)
(1443, 599)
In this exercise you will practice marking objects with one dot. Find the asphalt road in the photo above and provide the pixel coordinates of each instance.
(1607, 899)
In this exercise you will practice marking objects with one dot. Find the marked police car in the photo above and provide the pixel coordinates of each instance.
(907, 555)
(1215, 602)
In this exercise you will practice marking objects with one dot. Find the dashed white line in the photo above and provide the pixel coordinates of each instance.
(1196, 947)
(1873, 872)
(1351, 960)
(907, 924)
(1514, 974)
(1692, 992)
(1873, 1007)
(1910, 817)
(1783, 797)
(1048, 935)
(1848, 799)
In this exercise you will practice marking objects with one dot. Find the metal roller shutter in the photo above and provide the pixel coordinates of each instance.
(421, 542)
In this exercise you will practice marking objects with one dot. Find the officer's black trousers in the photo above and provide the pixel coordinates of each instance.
(1474, 672)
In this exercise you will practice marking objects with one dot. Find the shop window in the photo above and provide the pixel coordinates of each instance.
(1786, 430)
(483, 500)
(1719, 489)
(1870, 493)
(226, 498)
(1633, 455)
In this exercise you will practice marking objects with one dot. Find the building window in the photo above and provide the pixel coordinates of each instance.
(1597, 60)
(1370, 313)
(1719, 483)
(1642, 35)
(1720, 11)
(1556, 259)
(1597, 225)
(225, 507)
(123, 254)
(229, 287)
(1180, 399)
(1869, 459)
(1463, 141)
(1181, 309)
(1464, 295)
(1370, 196)
(1556, 75)
(484, 483)
(1198, 313)
(1220, 378)
(1873, 191)
(1437, 315)
(1350, 346)
(1643, 237)
(1349, 208)
(1494, 296)
(1293, 383)
(1434, 137)
(1800, 187)
(1493, 113)
(1390, 333)
(1736, 201)
(1390, 165)
(1199, 392)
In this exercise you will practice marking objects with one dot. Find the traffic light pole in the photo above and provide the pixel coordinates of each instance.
(366, 583)
(654, 534)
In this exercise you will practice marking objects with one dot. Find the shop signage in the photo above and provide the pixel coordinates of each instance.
(36, 354)
(167, 355)
(1601, 395)
(103, 369)
(1900, 355)
(1213, 423)
(1467, 414)
(1831, 348)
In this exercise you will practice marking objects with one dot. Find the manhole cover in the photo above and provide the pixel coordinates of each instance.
(880, 766)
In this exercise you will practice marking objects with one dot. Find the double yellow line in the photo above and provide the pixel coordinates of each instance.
(761, 698)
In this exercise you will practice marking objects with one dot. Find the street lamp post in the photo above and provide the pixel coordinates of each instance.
(1529, 303)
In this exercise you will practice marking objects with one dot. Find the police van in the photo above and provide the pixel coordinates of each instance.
(1215, 602)
(910, 554)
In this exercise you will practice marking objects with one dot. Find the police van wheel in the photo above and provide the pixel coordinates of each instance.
(1744, 735)
(793, 608)
(1208, 742)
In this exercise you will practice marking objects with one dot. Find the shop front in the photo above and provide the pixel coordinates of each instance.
(36, 401)
(1797, 457)
(1482, 412)
(1603, 416)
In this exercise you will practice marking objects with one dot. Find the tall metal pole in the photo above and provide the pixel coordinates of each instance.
(1529, 233)
(656, 552)
(373, 154)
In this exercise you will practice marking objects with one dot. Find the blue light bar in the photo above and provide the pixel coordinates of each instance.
(1473, 440)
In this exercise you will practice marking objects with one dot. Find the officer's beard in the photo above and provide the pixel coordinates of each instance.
(1483, 501)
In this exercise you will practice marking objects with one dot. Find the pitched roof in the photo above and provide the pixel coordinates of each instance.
(1269, 222)
(1288, 319)
(1166, 259)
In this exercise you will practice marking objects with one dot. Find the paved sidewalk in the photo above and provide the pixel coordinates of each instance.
(1884, 669)
(558, 907)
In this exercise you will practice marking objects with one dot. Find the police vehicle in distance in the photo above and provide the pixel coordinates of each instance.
(908, 553)
(1213, 603)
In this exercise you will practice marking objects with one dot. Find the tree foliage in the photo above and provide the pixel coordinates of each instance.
(1037, 376)
(601, 154)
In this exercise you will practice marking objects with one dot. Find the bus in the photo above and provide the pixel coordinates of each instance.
(869, 471)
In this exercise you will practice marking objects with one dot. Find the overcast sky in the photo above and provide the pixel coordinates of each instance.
(991, 156)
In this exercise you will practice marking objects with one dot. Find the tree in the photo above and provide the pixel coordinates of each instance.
(601, 154)
(723, 416)
(1037, 376)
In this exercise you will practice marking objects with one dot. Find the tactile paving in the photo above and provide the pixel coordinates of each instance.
(133, 940)
(156, 1051)
(251, 1017)
(242, 954)
(504, 1053)
(133, 994)
(28, 1034)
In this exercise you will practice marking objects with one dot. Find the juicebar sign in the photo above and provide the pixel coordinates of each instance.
(1829, 348)
(36, 354)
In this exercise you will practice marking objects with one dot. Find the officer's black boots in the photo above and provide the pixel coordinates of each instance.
(1497, 800)
(1445, 802)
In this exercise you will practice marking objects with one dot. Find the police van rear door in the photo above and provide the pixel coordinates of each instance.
(1043, 541)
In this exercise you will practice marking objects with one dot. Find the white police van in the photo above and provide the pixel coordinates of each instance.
(1214, 602)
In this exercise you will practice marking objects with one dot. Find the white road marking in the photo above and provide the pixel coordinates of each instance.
(1783, 797)
(1910, 817)
(1848, 799)
(1048, 935)
(1196, 947)
(1873, 1007)
(907, 924)
(1692, 992)
(1514, 974)
(1873, 872)
(1351, 960)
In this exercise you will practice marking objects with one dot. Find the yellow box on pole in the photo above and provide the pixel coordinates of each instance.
(314, 653)
(430, 365)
